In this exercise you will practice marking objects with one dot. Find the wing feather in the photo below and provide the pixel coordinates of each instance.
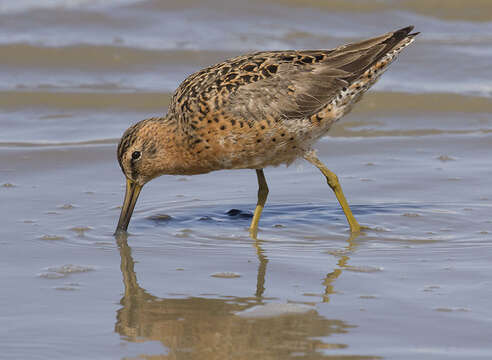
(280, 84)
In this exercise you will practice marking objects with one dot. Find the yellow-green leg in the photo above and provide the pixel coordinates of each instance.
(332, 180)
(262, 196)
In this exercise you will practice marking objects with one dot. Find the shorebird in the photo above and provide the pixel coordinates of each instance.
(253, 111)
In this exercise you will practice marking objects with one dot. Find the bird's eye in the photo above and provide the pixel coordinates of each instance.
(136, 155)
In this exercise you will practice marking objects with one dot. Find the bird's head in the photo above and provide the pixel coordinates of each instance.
(138, 152)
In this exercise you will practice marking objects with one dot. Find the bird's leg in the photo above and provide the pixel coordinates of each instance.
(262, 196)
(332, 181)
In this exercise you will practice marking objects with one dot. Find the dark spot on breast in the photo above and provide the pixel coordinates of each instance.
(262, 127)
(272, 68)
(292, 138)
(222, 127)
(241, 124)
(273, 139)
(258, 141)
(209, 121)
(216, 120)
(283, 134)
(233, 122)
(197, 141)
(207, 147)
(344, 88)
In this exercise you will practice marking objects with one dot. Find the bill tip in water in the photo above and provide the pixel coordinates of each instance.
(119, 232)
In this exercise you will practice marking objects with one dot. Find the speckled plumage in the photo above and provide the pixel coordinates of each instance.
(256, 110)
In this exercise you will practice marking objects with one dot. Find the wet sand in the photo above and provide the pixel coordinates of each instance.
(188, 282)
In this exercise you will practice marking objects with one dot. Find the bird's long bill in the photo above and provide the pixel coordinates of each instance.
(131, 196)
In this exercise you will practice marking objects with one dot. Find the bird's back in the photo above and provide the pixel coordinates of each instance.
(268, 108)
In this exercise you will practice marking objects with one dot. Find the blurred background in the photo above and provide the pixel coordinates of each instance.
(189, 283)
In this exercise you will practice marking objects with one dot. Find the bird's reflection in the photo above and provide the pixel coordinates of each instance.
(262, 266)
(343, 258)
(204, 328)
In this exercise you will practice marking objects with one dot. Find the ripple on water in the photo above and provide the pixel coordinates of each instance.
(431, 288)
(411, 214)
(66, 288)
(52, 237)
(160, 218)
(184, 233)
(49, 275)
(66, 206)
(445, 158)
(80, 230)
(225, 275)
(452, 309)
(368, 297)
(363, 269)
(57, 272)
(239, 213)
(274, 309)
(70, 269)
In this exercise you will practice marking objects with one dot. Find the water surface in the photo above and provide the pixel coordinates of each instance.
(188, 282)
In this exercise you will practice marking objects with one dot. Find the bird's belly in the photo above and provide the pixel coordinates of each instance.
(276, 146)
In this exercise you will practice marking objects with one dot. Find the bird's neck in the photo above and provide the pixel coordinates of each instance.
(175, 156)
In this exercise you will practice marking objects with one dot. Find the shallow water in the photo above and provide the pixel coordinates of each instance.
(188, 282)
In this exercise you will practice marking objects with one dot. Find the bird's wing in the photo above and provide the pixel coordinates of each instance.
(280, 84)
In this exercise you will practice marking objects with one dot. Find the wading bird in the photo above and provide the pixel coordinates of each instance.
(253, 111)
